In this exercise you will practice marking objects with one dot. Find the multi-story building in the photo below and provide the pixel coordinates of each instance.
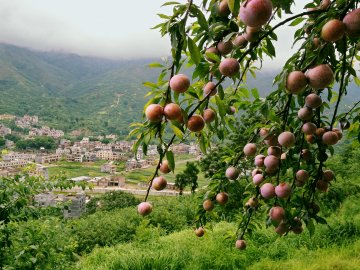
(106, 155)
(4, 130)
(48, 158)
(19, 156)
(108, 168)
(13, 163)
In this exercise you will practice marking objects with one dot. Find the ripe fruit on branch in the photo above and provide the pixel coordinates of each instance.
(282, 228)
(255, 13)
(252, 202)
(223, 9)
(229, 67)
(240, 41)
(328, 175)
(232, 173)
(199, 232)
(322, 185)
(283, 190)
(172, 111)
(164, 167)
(209, 115)
(267, 191)
(320, 132)
(330, 138)
(313, 101)
(259, 160)
(271, 162)
(338, 133)
(316, 42)
(305, 114)
(154, 112)
(144, 208)
(210, 88)
(222, 198)
(286, 139)
(212, 50)
(264, 132)
(179, 83)
(310, 138)
(352, 23)
(333, 30)
(320, 76)
(258, 179)
(251, 34)
(296, 82)
(306, 154)
(272, 141)
(274, 151)
(277, 214)
(208, 205)
(255, 172)
(309, 128)
(301, 177)
(196, 123)
(159, 183)
(225, 47)
(231, 110)
(240, 244)
(250, 149)
(325, 4)
(297, 226)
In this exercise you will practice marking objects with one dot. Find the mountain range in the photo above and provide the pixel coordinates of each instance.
(69, 91)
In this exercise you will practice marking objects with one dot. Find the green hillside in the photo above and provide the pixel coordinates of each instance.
(73, 92)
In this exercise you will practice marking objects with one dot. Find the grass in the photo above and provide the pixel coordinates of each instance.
(74, 169)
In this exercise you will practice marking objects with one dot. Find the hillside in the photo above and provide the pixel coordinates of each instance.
(70, 92)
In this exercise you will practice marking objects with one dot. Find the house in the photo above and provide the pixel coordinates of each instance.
(108, 168)
(13, 163)
(48, 158)
(4, 130)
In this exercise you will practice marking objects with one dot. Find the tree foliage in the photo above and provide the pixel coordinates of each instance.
(199, 31)
(187, 178)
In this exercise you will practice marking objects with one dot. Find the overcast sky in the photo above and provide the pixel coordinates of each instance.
(105, 28)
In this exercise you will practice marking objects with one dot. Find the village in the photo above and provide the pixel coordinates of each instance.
(88, 150)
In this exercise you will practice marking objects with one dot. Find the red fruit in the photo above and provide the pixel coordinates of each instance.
(286, 139)
(196, 123)
(208, 205)
(252, 202)
(305, 114)
(271, 162)
(213, 50)
(352, 23)
(274, 151)
(296, 82)
(222, 198)
(320, 76)
(283, 190)
(267, 191)
(313, 101)
(306, 154)
(240, 244)
(258, 179)
(209, 115)
(301, 177)
(283, 156)
(282, 228)
(333, 30)
(232, 173)
(255, 13)
(338, 133)
(210, 89)
(240, 42)
(154, 112)
(199, 232)
(259, 160)
(316, 42)
(325, 4)
(309, 128)
(322, 185)
(277, 214)
(250, 35)
(272, 141)
(179, 83)
(250, 149)
(255, 172)
(144, 208)
(229, 67)
(271, 171)
(263, 132)
(225, 47)
(328, 175)
(159, 183)
(223, 9)
(330, 138)
(172, 111)
(164, 167)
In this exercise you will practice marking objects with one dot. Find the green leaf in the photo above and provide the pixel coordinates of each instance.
(255, 93)
(170, 3)
(155, 65)
(203, 144)
(194, 51)
(297, 21)
(177, 131)
(234, 6)
(221, 106)
(212, 56)
(270, 47)
(170, 159)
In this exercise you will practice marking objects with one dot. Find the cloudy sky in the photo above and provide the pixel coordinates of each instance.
(105, 28)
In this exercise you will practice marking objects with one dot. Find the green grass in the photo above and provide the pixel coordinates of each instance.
(74, 169)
